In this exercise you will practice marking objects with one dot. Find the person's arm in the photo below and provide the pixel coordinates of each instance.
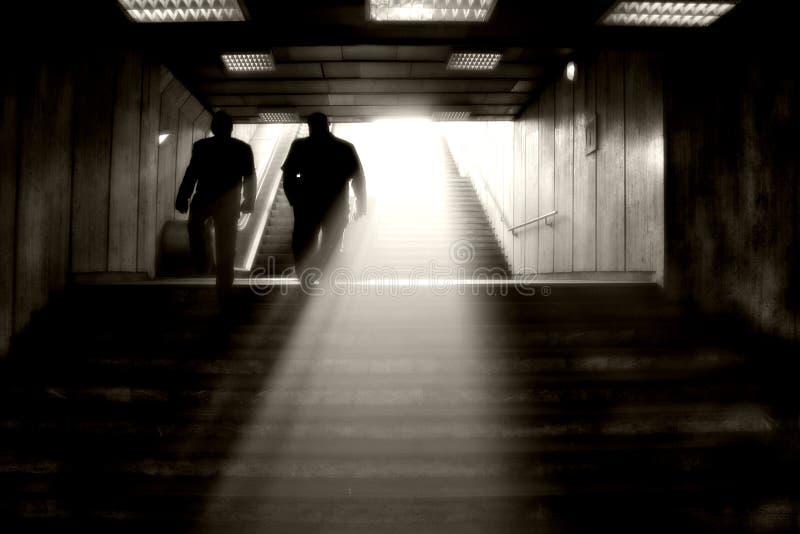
(290, 175)
(250, 186)
(359, 187)
(187, 185)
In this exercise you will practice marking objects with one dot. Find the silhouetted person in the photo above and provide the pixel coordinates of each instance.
(219, 167)
(316, 177)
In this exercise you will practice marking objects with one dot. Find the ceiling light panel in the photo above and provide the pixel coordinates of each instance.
(451, 115)
(248, 62)
(183, 10)
(430, 10)
(474, 61)
(669, 14)
(279, 117)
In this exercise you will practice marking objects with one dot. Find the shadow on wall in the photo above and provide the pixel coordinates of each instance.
(732, 188)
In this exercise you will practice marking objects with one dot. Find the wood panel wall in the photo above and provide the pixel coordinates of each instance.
(610, 201)
(148, 168)
(530, 131)
(584, 206)
(610, 105)
(124, 180)
(81, 173)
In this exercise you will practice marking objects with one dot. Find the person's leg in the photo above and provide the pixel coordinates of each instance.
(197, 238)
(304, 238)
(226, 219)
(333, 227)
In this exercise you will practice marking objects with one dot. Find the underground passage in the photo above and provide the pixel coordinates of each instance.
(372, 266)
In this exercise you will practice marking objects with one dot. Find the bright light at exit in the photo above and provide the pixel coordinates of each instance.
(400, 158)
(409, 221)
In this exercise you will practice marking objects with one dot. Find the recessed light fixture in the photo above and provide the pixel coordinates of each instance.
(279, 117)
(674, 14)
(430, 10)
(570, 71)
(248, 62)
(183, 10)
(474, 61)
(451, 115)
(162, 137)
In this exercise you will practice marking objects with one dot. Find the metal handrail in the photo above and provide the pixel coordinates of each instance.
(499, 208)
(513, 229)
(246, 260)
(535, 220)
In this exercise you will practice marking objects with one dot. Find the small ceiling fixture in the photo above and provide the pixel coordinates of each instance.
(430, 10)
(248, 62)
(474, 61)
(183, 10)
(670, 14)
(570, 71)
(279, 117)
(444, 116)
(162, 137)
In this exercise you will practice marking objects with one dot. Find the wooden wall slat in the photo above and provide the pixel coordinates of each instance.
(59, 173)
(564, 176)
(531, 232)
(9, 124)
(172, 98)
(519, 195)
(148, 166)
(507, 166)
(94, 110)
(585, 199)
(611, 162)
(79, 169)
(589, 190)
(202, 126)
(644, 168)
(44, 188)
(125, 156)
(546, 177)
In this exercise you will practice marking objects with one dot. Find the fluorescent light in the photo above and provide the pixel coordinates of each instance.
(451, 115)
(162, 137)
(430, 10)
(474, 61)
(571, 70)
(249, 62)
(680, 14)
(183, 10)
(279, 117)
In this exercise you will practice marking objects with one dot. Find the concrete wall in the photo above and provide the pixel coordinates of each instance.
(733, 135)
(85, 186)
(610, 220)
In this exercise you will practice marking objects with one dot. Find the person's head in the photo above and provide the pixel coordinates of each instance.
(222, 124)
(318, 125)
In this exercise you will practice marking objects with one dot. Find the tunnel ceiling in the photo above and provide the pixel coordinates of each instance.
(330, 58)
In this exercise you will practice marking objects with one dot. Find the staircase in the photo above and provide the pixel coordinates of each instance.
(470, 222)
(455, 233)
(596, 408)
(275, 251)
